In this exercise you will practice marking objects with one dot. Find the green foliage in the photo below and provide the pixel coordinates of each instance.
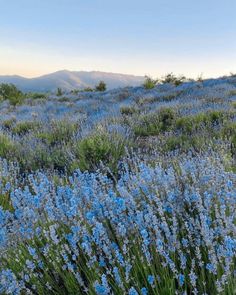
(59, 91)
(232, 93)
(7, 124)
(89, 89)
(184, 143)
(149, 82)
(100, 147)
(167, 118)
(36, 95)
(101, 86)
(64, 99)
(7, 147)
(172, 79)
(86, 89)
(229, 133)
(154, 123)
(60, 132)
(194, 123)
(128, 110)
(22, 128)
(11, 93)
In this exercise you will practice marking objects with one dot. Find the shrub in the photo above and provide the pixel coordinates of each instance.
(11, 93)
(101, 86)
(167, 118)
(172, 79)
(59, 91)
(101, 147)
(7, 124)
(150, 83)
(185, 124)
(147, 125)
(7, 148)
(154, 123)
(89, 89)
(60, 132)
(232, 93)
(64, 99)
(193, 123)
(229, 133)
(25, 127)
(184, 143)
(36, 95)
(128, 110)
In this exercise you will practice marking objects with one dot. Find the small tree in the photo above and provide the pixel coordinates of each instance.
(101, 86)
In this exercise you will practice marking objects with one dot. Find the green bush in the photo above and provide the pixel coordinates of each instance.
(36, 95)
(229, 133)
(24, 127)
(185, 124)
(128, 110)
(172, 79)
(167, 118)
(184, 143)
(89, 89)
(11, 93)
(154, 123)
(59, 159)
(60, 132)
(7, 147)
(7, 124)
(64, 99)
(150, 83)
(59, 91)
(101, 86)
(194, 123)
(147, 125)
(101, 147)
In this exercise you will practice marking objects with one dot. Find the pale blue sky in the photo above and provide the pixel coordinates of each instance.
(132, 36)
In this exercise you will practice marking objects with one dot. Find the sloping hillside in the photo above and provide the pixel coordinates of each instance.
(68, 80)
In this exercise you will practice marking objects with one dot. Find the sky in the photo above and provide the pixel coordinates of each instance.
(148, 37)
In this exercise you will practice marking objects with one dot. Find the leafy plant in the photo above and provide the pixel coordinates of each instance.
(149, 82)
(12, 93)
(101, 86)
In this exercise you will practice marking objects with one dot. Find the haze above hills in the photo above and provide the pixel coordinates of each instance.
(69, 80)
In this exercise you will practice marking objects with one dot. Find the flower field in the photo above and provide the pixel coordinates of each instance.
(127, 191)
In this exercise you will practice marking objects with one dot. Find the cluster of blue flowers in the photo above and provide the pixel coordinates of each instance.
(161, 222)
(162, 227)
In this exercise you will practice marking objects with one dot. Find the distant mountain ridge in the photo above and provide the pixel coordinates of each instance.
(69, 80)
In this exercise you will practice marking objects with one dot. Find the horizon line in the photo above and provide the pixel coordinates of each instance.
(108, 72)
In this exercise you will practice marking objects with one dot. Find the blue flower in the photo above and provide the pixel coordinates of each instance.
(181, 279)
(144, 291)
(151, 279)
(132, 291)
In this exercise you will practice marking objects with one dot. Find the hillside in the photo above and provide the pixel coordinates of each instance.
(69, 80)
(128, 191)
